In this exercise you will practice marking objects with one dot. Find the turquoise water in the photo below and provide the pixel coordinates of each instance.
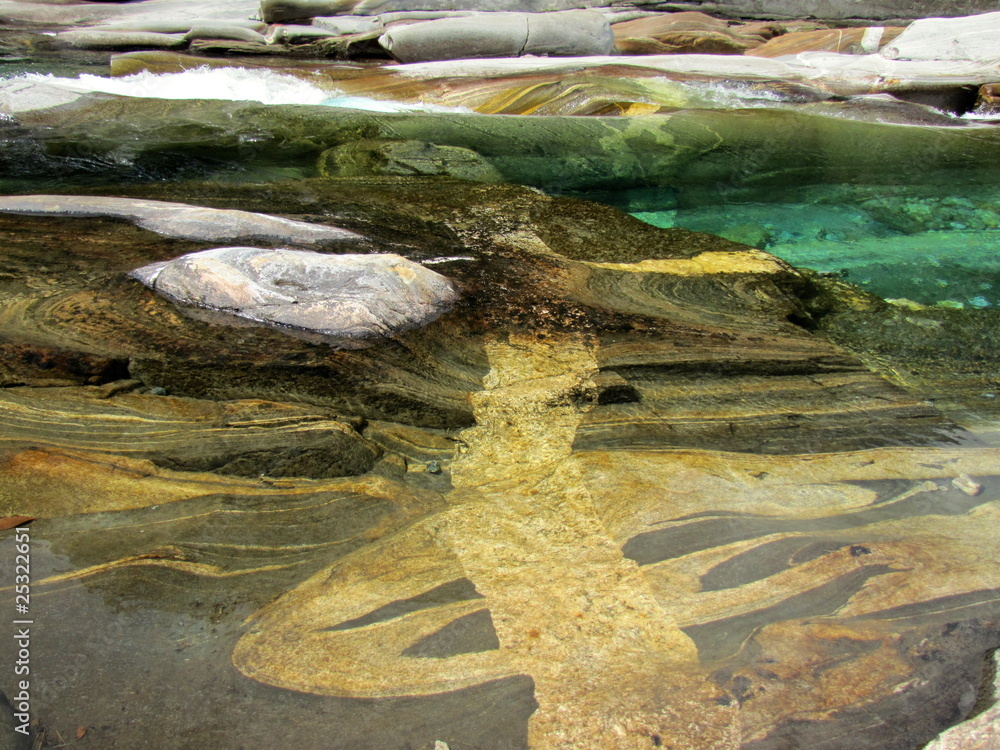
(922, 244)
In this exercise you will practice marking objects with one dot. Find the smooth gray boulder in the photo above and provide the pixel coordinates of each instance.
(568, 33)
(223, 30)
(280, 11)
(180, 220)
(294, 34)
(348, 299)
(179, 24)
(342, 25)
(974, 38)
(118, 40)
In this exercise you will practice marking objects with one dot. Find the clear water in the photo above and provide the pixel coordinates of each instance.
(926, 245)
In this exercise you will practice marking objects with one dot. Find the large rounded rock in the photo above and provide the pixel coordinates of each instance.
(569, 33)
(971, 38)
(344, 298)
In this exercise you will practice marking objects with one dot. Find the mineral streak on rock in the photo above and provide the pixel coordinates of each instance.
(346, 298)
(180, 220)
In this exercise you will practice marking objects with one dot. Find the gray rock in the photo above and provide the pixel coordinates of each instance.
(293, 34)
(279, 11)
(969, 38)
(869, 10)
(289, 10)
(118, 40)
(569, 33)
(425, 15)
(147, 11)
(223, 30)
(342, 25)
(347, 298)
(179, 24)
(180, 219)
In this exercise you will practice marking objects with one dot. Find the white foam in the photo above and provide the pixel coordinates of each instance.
(231, 84)
(234, 84)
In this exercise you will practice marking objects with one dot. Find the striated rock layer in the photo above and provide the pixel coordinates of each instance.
(620, 496)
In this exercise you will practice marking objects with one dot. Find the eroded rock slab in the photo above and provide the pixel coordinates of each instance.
(180, 220)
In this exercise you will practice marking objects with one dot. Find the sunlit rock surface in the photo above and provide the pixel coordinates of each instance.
(348, 299)
(567, 34)
(682, 33)
(180, 220)
(849, 41)
(969, 38)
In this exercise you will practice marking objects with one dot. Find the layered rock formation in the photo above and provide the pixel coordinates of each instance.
(589, 483)
(615, 425)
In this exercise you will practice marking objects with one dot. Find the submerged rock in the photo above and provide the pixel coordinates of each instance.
(348, 298)
(364, 157)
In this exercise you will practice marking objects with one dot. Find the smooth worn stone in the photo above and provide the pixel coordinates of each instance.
(347, 24)
(181, 25)
(118, 40)
(224, 31)
(179, 219)
(969, 38)
(347, 298)
(568, 33)
(147, 11)
(861, 41)
(292, 34)
(279, 11)
(365, 157)
(425, 15)
(682, 33)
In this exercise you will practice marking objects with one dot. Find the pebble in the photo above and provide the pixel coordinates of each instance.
(967, 484)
